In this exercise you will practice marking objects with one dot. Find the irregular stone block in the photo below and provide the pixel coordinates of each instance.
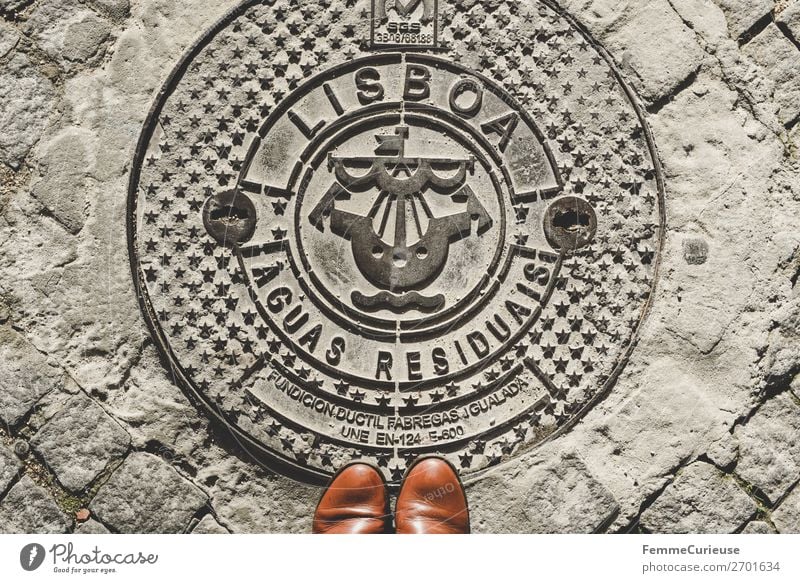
(114, 8)
(701, 500)
(705, 18)
(664, 414)
(601, 16)
(706, 122)
(239, 491)
(658, 47)
(723, 451)
(67, 31)
(743, 14)
(26, 100)
(9, 466)
(83, 37)
(557, 493)
(147, 495)
(758, 527)
(79, 441)
(91, 527)
(62, 187)
(790, 17)
(778, 57)
(787, 516)
(10, 6)
(29, 508)
(782, 360)
(209, 525)
(9, 37)
(154, 409)
(769, 451)
(25, 375)
(564, 497)
(497, 490)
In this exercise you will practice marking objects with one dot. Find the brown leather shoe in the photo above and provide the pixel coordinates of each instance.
(355, 502)
(431, 500)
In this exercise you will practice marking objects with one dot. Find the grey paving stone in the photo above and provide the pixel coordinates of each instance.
(84, 37)
(724, 451)
(701, 500)
(25, 375)
(147, 495)
(662, 58)
(79, 441)
(554, 495)
(743, 14)
(61, 186)
(791, 18)
(601, 16)
(68, 32)
(155, 410)
(240, 492)
(787, 516)
(27, 97)
(209, 525)
(769, 451)
(114, 8)
(566, 497)
(705, 18)
(758, 527)
(91, 527)
(782, 360)
(10, 465)
(9, 37)
(29, 508)
(778, 56)
(12, 5)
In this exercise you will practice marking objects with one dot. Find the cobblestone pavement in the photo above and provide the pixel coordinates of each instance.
(700, 433)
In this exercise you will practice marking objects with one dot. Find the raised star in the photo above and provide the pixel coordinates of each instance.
(493, 457)
(411, 400)
(452, 389)
(397, 468)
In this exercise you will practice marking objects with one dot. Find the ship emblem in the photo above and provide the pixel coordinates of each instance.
(403, 267)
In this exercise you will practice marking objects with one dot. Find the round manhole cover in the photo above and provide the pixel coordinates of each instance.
(378, 230)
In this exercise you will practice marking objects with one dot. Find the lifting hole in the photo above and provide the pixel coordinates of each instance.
(230, 214)
(571, 221)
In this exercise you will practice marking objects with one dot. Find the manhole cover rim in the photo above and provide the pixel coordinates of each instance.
(251, 446)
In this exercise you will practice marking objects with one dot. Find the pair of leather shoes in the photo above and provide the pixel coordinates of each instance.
(431, 501)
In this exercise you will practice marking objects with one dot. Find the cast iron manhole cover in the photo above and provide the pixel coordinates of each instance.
(377, 230)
